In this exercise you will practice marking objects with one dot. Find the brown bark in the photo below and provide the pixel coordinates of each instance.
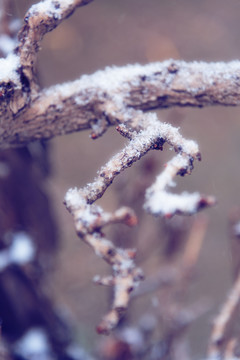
(81, 104)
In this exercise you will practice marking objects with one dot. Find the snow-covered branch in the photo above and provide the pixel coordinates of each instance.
(39, 20)
(18, 83)
(96, 99)
(89, 219)
(160, 202)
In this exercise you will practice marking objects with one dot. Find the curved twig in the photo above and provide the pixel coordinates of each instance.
(89, 219)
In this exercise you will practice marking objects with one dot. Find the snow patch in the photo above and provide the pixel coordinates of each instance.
(50, 8)
(74, 199)
(166, 203)
(8, 69)
(21, 251)
(34, 345)
(125, 78)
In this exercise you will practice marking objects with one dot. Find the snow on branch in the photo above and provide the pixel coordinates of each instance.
(18, 82)
(95, 100)
(39, 20)
(219, 339)
(89, 219)
(160, 202)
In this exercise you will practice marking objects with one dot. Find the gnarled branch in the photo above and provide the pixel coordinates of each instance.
(95, 100)
(89, 219)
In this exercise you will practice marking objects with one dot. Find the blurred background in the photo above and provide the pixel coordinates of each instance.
(120, 32)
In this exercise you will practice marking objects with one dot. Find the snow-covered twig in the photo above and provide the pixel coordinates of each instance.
(89, 219)
(28, 114)
(160, 202)
(39, 20)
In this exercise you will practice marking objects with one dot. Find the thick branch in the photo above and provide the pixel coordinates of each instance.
(96, 100)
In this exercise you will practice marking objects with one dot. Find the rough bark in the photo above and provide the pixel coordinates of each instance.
(94, 99)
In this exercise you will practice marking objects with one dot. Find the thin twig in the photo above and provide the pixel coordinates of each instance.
(222, 321)
(89, 219)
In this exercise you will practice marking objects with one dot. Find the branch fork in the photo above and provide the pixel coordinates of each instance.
(89, 219)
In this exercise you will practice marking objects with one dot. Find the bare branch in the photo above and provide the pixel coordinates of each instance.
(225, 317)
(181, 272)
(89, 220)
(230, 349)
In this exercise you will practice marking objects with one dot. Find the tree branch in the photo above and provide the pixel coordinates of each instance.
(89, 219)
(222, 321)
(95, 101)
(40, 19)
(18, 83)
